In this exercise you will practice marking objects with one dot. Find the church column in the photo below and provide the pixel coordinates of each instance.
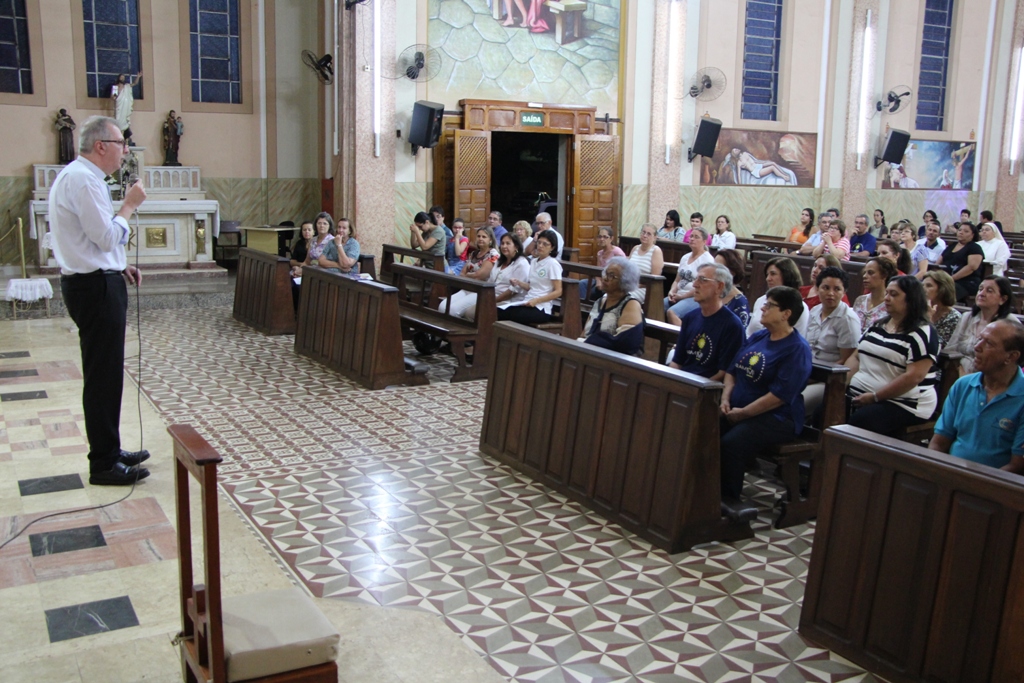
(667, 82)
(1007, 185)
(855, 180)
(364, 182)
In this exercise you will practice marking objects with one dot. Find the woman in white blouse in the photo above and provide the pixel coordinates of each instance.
(994, 246)
(724, 237)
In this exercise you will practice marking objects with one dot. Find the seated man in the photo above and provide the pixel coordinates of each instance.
(540, 224)
(762, 405)
(862, 241)
(983, 417)
(709, 336)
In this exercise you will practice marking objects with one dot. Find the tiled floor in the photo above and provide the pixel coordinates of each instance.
(435, 562)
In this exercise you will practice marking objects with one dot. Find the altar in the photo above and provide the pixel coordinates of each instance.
(174, 227)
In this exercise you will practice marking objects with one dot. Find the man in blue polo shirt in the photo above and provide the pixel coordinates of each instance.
(710, 336)
(862, 241)
(983, 417)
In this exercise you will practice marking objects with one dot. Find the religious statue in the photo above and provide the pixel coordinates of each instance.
(173, 129)
(200, 239)
(65, 126)
(124, 102)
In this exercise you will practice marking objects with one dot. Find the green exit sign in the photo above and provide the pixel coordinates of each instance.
(531, 118)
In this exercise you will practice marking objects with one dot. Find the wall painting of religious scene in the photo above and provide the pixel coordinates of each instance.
(932, 165)
(564, 52)
(757, 157)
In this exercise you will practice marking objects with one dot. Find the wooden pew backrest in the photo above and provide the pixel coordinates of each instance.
(263, 292)
(916, 567)
(631, 439)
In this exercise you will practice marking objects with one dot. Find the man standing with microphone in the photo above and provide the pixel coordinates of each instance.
(88, 243)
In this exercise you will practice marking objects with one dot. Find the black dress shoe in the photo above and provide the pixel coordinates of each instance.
(119, 475)
(133, 457)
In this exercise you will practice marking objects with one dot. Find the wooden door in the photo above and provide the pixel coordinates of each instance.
(444, 166)
(472, 177)
(594, 183)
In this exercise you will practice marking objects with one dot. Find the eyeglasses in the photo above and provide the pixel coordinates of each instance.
(602, 237)
(703, 280)
(768, 304)
(122, 142)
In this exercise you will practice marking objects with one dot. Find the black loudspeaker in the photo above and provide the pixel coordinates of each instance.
(706, 139)
(426, 124)
(895, 147)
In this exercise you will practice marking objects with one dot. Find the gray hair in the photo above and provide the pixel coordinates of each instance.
(543, 215)
(702, 231)
(629, 273)
(864, 216)
(93, 130)
(722, 275)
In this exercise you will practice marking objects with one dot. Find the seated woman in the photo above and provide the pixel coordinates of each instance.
(996, 251)
(834, 241)
(680, 301)
(542, 288)
(734, 299)
(761, 404)
(513, 264)
(890, 249)
(524, 232)
(724, 237)
(647, 255)
(672, 229)
(617, 320)
(833, 329)
(302, 245)
(810, 292)
(324, 234)
(941, 294)
(341, 254)
(994, 301)
(781, 272)
(962, 259)
(425, 236)
(870, 306)
(894, 374)
(606, 251)
(801, 232)
(478, 267)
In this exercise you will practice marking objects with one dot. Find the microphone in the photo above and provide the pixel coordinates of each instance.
(132, 179)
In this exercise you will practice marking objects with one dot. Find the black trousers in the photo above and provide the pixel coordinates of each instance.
(744, 441)
(98, 303)
(524, 315)
(884, 418)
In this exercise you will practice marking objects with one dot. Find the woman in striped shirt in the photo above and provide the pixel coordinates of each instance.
(894, 378)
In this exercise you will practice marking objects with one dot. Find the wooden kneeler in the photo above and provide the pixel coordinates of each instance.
(269, 637)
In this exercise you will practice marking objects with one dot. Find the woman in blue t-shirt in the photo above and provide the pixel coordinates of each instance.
(762, 405)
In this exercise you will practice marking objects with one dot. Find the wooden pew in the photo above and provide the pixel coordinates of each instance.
(393, 253)
(916, 568)
(366, 266)
(352, 327)
(566, 314)
(418, 316)
(632, 440)
(263, 292)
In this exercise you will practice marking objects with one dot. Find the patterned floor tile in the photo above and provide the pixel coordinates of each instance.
(381, 497)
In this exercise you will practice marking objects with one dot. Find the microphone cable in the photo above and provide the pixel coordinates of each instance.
(138, 401)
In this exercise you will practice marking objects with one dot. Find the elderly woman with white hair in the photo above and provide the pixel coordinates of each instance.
(617, 320)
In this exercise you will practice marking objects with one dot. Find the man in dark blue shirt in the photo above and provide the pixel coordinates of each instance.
(862, 241)
(710, 335)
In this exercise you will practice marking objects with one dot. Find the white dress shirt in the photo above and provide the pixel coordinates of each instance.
(87, 236)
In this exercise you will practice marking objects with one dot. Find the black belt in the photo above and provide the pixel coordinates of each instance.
(95, 273)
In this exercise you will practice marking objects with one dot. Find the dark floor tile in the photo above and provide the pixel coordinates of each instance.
(75, 621)
(60, 482)
(66, 540)
(22, 396)
(11, 374)
(14, 354)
